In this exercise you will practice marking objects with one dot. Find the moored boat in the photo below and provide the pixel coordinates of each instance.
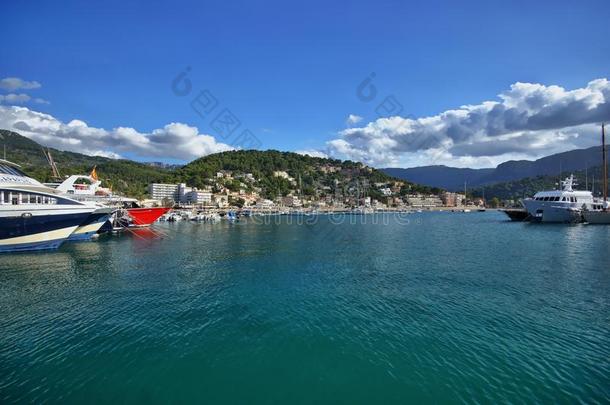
(560, 206)
(517, 214)
(145, 216)
(33, 216)
(90, 229)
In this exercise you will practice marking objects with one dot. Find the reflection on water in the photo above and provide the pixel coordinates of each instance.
(441, 307)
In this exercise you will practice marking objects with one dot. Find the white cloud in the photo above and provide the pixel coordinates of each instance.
(15, 83)
(174, 141)
(13, 98)
(312, 153)
(529, 121)
(352, 119)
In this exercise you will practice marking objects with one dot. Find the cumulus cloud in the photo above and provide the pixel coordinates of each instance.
(529, 120)
(312, 153)
(174, 141)
(15, 83)
(353, 119)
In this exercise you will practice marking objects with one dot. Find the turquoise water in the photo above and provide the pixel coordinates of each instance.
(449, 307)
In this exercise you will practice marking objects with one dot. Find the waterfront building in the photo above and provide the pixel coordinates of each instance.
(424, 201)
(197, 197)
(452, 199)
(161, 191)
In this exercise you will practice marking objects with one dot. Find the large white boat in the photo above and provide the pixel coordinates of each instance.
(33, 216)
(87, 188)
(565, 205)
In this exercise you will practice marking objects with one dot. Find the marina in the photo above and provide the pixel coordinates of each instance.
(341, 202)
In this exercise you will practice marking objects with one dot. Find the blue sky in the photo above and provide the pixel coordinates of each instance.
(289, 71)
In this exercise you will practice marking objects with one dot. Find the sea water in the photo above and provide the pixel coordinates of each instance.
(436, 307)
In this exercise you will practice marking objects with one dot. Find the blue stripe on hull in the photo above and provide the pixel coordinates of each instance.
(13, 227)
(23, 247)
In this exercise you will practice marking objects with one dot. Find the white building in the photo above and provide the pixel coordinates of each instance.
(197, 197)
(265, 204)
(160, 191)
(178, 193)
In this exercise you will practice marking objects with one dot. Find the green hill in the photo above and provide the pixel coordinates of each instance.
(310, 176)
(124, 176)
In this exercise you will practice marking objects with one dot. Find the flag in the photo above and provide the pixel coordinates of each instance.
(94, 174)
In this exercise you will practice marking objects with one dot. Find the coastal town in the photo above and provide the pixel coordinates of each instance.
(392, 195)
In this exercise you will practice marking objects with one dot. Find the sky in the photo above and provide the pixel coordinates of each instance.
(388, 83)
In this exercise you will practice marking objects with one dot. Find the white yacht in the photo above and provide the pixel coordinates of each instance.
(33, 216)
(88, 188)
(565, 205)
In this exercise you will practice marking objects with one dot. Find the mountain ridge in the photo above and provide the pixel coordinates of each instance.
(452, 178)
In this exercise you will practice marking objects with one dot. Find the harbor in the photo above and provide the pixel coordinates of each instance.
(313, 203)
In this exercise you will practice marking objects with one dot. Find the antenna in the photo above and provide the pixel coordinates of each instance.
(605, 169)
(586, 178)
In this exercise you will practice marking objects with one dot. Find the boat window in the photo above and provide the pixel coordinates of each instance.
(5, 169)
(556, 198)
(563, 199)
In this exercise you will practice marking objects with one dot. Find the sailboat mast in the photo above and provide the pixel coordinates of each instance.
(605, 164)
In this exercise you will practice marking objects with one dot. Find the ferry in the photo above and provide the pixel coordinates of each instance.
(33, 216)
(562, 206)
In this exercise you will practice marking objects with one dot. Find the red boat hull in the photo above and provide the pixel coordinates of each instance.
(145, 216)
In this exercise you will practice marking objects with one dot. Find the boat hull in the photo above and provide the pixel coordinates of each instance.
(145, 216)
(517, 215)
(89, 229)
(38, 231)
(597, 217)
(548, 213)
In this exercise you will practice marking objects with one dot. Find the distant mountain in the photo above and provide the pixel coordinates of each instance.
(590, 179)
(452, 178)
(449, 178)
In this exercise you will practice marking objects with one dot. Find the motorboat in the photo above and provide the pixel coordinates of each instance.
(562, 206)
